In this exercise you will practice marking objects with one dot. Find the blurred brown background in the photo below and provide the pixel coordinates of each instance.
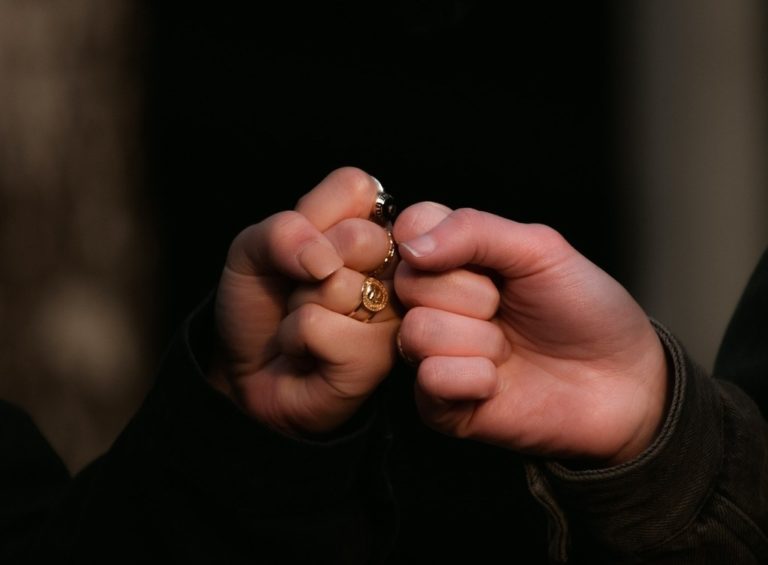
(136, 140)
(76, 252)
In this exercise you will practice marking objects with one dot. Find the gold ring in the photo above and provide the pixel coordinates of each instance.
(384, 209)
(374, 297)
(390, 255)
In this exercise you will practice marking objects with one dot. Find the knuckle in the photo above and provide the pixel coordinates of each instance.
(543, 247)
(547, 239)
(354, 237)
(278, 232)
(285, 224)
(246, 248)
(416, 328)
(355, 180)
(335, 284)
(464, 219)
(240, 241)
(339, 284)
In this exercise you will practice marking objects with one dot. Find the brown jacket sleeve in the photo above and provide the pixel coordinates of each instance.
(699, 494)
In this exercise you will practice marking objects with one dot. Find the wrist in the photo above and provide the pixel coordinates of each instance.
(657, 403)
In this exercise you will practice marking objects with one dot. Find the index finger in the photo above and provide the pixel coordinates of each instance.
(347, 192)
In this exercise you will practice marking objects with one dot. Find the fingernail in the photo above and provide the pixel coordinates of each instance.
(319, 260)
(421, 246)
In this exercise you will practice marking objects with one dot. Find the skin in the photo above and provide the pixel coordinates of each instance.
(520, 341)
(542, 353)
(282, 308)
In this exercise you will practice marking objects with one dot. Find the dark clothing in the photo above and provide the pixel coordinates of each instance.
(192, 479)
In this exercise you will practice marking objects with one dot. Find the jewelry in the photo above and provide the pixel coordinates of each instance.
(373, 298)
(390, 255)
(384, 209)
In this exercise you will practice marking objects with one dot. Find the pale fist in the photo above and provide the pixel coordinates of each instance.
(522, 341)
(291, 355)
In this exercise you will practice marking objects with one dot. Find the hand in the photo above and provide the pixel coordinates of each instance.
(291, 356)
(522, 341)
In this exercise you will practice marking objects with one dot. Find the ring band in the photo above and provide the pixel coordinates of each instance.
(374, 297)
(388, 259)
(384, 209)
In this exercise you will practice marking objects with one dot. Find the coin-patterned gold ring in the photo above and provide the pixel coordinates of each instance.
(374, 297)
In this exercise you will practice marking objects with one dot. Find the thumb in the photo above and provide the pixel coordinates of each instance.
(471, 237)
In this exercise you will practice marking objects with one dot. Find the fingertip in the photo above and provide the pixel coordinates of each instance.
(418, 219)
(346, 192)
(319, 260)
(421, 246)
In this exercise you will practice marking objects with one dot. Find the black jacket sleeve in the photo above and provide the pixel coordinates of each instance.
(743, 355)
(192, 479)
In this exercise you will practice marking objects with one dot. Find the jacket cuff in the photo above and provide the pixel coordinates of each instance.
(638, 505)
(204, 440)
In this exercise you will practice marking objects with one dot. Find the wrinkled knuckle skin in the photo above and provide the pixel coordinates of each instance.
(464, 219)
(548, 240)
(415, 329)
(284, 224)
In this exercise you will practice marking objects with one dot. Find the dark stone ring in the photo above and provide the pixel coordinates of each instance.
(384, 209)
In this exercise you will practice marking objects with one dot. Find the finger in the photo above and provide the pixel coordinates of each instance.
(364, 246)
(347, 192)
(326, 364)
(458, 290)
(449, 391)
(458, 378)
(450, 417)
(285, 242)
(418, 219)
(342, 293)
(426, 332)
(472, 237)
(352, 357)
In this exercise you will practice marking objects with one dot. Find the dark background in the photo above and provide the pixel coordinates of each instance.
(137, 138)
(508, 107)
